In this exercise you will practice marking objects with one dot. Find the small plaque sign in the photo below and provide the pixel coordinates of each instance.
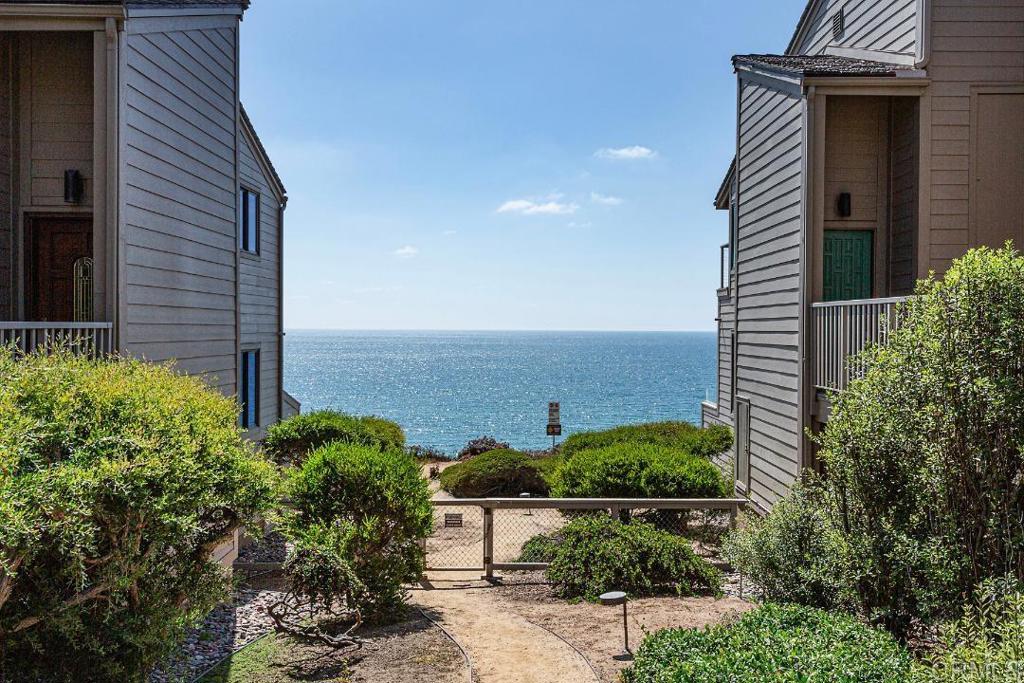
(554, 430)
(452, 520)
(554, 419)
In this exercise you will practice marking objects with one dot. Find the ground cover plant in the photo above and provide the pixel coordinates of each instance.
(628, 470)
(289, 441)
(923, 490)
(496, 473)
(357, 516)
(118, 479)
(773, 644)
(594, 554)
(683, 436)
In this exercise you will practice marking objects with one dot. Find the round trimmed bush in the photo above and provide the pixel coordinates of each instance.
(594, 554)
(681, 436)
(118, 480)
(773, 644)
(367, 509)
(289, 441)
(628, 470)
(495, 473)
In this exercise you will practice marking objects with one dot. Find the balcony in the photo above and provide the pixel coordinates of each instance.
(93, 340)
(842, 329)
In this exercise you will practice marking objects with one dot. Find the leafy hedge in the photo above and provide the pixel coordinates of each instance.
(358, 516)
(773, 644)
(681, 436)
(288, 442)
(118, 479)
(628, 470)
(594, 554)
(495, 473)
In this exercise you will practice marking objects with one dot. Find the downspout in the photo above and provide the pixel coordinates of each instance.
(923, 54)
(280, 308)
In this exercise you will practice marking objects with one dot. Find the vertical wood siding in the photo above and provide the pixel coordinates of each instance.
(60, 103)
(768, 282)
(260, 286)
(882, 25)
(6, 177)
(905, 167)
(179, 205)
(973, 43)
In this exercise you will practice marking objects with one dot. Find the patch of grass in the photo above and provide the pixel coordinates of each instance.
(277, 659)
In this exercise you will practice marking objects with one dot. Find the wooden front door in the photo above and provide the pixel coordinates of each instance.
(53, 246)
(848, 269)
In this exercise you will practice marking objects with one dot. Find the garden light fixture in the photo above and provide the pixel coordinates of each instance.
(619, 598)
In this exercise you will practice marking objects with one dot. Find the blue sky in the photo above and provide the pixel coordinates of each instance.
(500, 164)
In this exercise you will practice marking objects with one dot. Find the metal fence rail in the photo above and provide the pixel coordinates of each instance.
(93, 340)
(843, 329)
(488, 534)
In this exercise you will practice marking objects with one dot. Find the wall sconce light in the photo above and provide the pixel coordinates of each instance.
(74, 187)
(845, 205)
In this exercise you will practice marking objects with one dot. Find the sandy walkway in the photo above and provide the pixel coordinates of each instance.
(503, 646)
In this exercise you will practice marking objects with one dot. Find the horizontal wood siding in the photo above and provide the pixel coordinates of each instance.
(905, 165)
(974, 43)
(60, 106)
(881, 25)
(726, 330)
(178, 190)
(768, 282)
(6, 178)
(260, 287)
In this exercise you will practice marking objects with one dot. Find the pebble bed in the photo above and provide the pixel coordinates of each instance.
(228, 628)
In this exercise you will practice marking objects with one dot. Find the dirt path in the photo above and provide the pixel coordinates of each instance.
(503, 646)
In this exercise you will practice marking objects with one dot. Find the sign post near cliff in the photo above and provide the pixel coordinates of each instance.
(554, 421)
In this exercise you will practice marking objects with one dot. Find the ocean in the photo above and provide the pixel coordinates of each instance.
(446, 388)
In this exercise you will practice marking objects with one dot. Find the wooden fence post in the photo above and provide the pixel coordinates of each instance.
(488, 544)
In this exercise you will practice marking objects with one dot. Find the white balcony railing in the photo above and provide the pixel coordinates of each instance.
(845, 328)
(88, 339)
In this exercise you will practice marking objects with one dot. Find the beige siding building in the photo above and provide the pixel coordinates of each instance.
(886, 141)
(139, 211)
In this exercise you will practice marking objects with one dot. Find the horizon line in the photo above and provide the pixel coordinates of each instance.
(454, 329)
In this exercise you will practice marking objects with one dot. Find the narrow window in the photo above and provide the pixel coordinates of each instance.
(249, 221)
(249, 393)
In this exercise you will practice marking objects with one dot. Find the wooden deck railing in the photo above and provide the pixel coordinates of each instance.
(88, 339)
(845, 328)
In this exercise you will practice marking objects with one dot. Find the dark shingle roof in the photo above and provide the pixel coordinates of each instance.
(819, 65)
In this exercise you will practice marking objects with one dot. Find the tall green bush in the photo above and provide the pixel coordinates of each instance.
(681, 436)
(501, 472)
(118, 479)
(364, 509)
(594, 554)
(289, 441)
(627, 470)
(773, 644)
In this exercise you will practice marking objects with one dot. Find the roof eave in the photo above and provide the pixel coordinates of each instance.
(724, 196)
(263, 157)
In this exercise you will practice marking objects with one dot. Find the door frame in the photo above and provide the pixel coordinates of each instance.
(972, 157)
(26, 302)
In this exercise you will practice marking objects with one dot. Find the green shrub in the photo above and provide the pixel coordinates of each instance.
(596, 554)
(367, 509)
(287, 442)
(923, 455)
(986, 645)
(788, 552)
(495, 473)
(481, 445)
(773, 644)
(118, 479)
(681, 436)
(627, 470)
(540, 548)
(549, 467)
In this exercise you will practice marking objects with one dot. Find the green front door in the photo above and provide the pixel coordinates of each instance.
(848, 270)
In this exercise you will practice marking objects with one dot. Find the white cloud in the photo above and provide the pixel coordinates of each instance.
(450, 232)
(626, 153)
(550, 207)
(605, 199)
(586, 224)
(408, 251)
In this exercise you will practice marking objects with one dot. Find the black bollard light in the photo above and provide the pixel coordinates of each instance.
(619, 598)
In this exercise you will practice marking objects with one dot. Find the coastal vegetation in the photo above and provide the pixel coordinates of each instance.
(595, 553)
(681, 436)
(118, 480)
(498, 473)
(289, 441)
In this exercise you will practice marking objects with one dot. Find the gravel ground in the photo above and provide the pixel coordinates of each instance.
(271, 548)
(228, 628)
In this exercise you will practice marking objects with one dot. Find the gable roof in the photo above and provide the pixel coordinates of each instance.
(261, 154)
(805, 18)
(819, 65)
